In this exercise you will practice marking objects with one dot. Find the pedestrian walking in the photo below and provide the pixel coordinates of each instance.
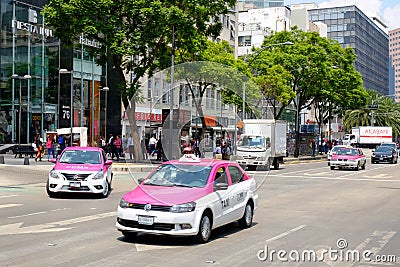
(130, 147)
(39, 146)
(124, 145)
(49, 147)
(117, 144)
(152, 145)
(143, 146)
(159, 149)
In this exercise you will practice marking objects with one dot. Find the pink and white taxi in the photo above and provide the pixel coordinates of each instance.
(189, 197)
(81, 170)
(348, 157)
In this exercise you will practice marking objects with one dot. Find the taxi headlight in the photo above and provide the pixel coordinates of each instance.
(54, 174)
(186, 207)
(123, 203)
(99, 175)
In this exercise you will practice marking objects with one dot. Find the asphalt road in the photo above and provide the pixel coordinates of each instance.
(303, 209)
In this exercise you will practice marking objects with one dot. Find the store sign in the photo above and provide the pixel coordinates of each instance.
(33, 29)
(87, 42)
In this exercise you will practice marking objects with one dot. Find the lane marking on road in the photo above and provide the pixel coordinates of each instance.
(144, 247)
(377, 237)
(9, 196)
(239, 254)
(10, 205)
(285, 233)
(15, 228)
(334, 178)
(37, 213)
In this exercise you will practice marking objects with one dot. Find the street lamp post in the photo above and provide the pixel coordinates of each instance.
(105, 89)
(171, 95)
(20, 78)
(71, 115)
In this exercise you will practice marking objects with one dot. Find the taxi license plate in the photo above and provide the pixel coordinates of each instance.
(381, 158)
(146, 220)
(74, 184)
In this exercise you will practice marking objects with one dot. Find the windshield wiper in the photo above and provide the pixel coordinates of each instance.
(182, 185)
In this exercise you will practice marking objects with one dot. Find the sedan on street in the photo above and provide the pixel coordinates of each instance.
(384, 154)
(349, 157)
(189, 197)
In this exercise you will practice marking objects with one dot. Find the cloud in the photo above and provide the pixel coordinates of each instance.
(392, 17)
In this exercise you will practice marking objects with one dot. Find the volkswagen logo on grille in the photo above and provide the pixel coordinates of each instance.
(147, 207)
(76, 177)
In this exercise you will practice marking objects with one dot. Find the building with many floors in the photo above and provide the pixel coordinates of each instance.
(394, 52)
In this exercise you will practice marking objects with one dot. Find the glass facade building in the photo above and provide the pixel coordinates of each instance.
(351, 27)
(35, 97)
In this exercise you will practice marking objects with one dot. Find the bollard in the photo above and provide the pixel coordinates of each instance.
(1, 159)
(26, 160)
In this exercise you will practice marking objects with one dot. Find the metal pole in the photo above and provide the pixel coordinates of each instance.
(19, 113)
(93, 108)
(171, 95)
(244, 102)
(72, 108)
(105, 116)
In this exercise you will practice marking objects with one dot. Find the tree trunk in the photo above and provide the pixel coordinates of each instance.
(137, 149)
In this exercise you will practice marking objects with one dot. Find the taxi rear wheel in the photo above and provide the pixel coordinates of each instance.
(204, 228)
(247, 219)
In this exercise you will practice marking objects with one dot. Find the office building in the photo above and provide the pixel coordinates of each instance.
(351, 27)
(35, 97)
(394, 52)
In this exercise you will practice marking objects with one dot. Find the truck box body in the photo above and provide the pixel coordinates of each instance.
(370, 135)
(263, 142)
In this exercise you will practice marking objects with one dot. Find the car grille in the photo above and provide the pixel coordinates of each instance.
(155, 226)
(153, 207)
(76, 177)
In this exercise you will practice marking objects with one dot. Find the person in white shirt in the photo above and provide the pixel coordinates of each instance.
(152, 145)
(130, 146)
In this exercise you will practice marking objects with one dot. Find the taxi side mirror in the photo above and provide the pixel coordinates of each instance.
(53, 160)
(220, 186)
(108, 162)
(140, 180)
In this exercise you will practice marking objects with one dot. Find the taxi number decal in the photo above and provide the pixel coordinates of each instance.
(225, 203)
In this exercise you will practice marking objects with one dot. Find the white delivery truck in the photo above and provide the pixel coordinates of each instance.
(262, 143)
(368, 136)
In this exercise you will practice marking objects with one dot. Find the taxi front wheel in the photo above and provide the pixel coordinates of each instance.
(247, 219)
(204, 228)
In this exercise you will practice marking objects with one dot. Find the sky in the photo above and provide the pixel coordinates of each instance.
(388, 10)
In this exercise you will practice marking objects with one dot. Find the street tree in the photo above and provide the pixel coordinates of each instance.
(321, 72)
(139, 30)
(213, 68)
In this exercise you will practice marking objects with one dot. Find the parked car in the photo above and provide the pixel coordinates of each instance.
(384, 154)
(333, 151)
(348, 157)
(80, 170)
(189, 197)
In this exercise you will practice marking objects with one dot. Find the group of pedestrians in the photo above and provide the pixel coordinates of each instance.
(222, 151)
(53, 146)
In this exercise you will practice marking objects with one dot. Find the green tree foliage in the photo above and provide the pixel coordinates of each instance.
(321, 73)
(215, 67)
(136, 29)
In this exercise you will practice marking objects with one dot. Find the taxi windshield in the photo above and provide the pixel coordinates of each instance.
(180, 175)
(80, 157)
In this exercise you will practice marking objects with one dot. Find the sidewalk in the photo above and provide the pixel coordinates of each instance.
(127, 165)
